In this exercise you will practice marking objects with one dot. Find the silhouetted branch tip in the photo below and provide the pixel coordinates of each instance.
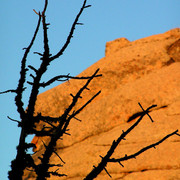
(107, 172)
(71, 95)
(67, 133)
(79, 23)
(87, 6)
(30, 83)
(31, 75)
(120, 163)
(38, 53)
(19, 123)
(100, 156)
(77, 119)
(127, 157)
(33, 68)
(10, 90)
(58, 156)
(36, 12)
(147, 110)
(71, 32)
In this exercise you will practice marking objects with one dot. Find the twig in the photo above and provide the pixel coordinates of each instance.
(67, 77)
(10, 90)
(71, 32)
(143, 149)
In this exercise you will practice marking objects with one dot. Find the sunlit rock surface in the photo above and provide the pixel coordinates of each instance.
(146, 71)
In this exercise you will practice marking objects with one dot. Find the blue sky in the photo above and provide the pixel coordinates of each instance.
(104, 21)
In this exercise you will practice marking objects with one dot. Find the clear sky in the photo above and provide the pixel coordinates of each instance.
(106, 20)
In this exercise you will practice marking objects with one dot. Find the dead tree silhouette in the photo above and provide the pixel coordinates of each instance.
(57, 126)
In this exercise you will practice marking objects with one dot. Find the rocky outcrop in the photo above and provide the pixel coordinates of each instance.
(146, 71)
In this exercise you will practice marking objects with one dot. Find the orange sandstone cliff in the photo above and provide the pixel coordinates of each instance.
(146, 71)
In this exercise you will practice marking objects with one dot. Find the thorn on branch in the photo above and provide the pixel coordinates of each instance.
(77, 119)
(32, 76)
(19, 123)
(107, 172)
(120, 163)
(100, 156)
(72, 95)
(38, 53)
(33, 68)
(67, 133)
(30, 83)
(87, 6)
(58, 156)
(36, 12)
(40, 158)
(79, 23)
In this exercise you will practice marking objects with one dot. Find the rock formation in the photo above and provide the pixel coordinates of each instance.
(146, 71)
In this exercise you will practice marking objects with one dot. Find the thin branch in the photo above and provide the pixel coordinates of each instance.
(60, 130)
(46, 45)
(97, 170)
(143, 149)
(76, 97)
(47, 119)
(58, 156)
(107, 172)
(20, 88)
(19, 123)
(10, 90)
(56, 174)
(67, 77)
(33, 68)
(38, 53)
(71, 32)
(20, 162)
(42, 69)
(80, 109)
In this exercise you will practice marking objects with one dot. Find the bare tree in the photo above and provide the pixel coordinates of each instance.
(57, 126)
(28, 118)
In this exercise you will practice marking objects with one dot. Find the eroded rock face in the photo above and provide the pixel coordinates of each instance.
(146, 71)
